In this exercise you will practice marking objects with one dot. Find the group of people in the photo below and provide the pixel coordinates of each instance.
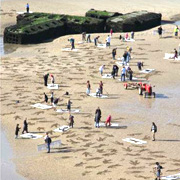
(176, 31)
(99, 90)
(25, 128)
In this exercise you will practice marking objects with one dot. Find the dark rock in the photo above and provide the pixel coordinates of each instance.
(135, 21)
(101, 14)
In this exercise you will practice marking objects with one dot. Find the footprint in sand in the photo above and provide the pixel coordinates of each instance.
(79, 164)
(103, 172)
(114, 166)
(85, 172)
(134, 163)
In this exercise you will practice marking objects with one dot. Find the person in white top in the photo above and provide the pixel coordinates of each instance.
(101, 69)
(108, 41)
(123, 73)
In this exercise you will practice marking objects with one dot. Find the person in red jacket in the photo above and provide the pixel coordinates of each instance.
(108, 120)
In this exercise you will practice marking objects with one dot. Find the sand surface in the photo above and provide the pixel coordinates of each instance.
(87, 152)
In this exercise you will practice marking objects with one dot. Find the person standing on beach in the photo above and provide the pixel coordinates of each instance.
(84, 36)
(25, 127)
(71, 120)
(132, 35)
(52, 79)
(97, 117)
(114, 53)
(27, 8)
(101, 69)
(157, 169)
(45, 97)
(123, 73)
(46, 79)
(17, 131)
(69, 105)
(176, 29)
(153, 130)
(101, 87)
(52, 97)
(108, 41)
(175, 54)
(48, 142)
(96, 40)
(88, 88)
(72, 41)
(160, 32)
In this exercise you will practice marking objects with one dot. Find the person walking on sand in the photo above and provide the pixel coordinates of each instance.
(175, 54)
(101, 69)
(25, 127)
(111, 32)
(48, 142)
(71, 120)
(153, 130)
(72, 41)
(88, 88)
(17, 131)
(97, 117)
(114, 53)
(160, 32)
(27, 7)
(45, 98)
(96, 40)
(69, 105)
(46, 79)
(108, 121)
(52, 97)
(157, 170)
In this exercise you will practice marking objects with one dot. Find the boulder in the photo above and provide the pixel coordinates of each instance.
(135, 21)
(79, 24)
(101, 14)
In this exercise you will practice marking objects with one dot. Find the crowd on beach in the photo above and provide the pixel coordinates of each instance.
(125, 72)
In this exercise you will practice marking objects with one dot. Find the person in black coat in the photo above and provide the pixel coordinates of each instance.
(45, 97)
(25, 127)
(97, 117)
(46, 79)
(17, 131)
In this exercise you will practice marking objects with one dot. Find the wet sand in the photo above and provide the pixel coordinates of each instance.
(8, 169)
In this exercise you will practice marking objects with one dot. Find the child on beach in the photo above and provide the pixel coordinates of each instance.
(27, 8)
(153, 130)
(108, 121)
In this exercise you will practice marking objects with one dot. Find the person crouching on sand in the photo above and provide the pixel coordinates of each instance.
(108, 121)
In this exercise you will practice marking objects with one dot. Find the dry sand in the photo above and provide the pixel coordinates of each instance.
(87, 152)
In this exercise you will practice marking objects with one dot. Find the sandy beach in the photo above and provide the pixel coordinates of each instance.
(88, 152)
